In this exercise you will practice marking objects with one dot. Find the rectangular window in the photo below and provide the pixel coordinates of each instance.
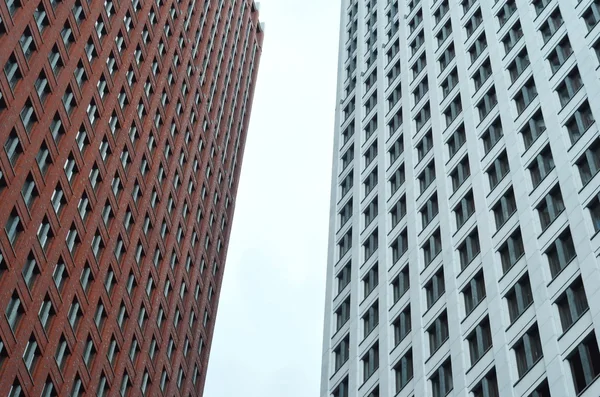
(429, 210)
(449, 83)
(398, 211)
(511, 251)
(569, 86)
(579, 123)
(438, 333)
(370, 361)
(399, 246)
(507, 10)
(541, 166)
(525, 96)
(591, 16)
(424, 146)
(533, 129)
(13, 147)
(370, 319)
(370, 181)
(370, 245)
(572, 304)
(457, 140)
(584, 361)
(518, 65)
(370, 280)
(528, 350)
(343, 277)
(492, 135)
(403, 371)
(487, 103)
(561, 253)
(369, 155)
(427, 176)
(474, 292)
(342, 314)
(345, 243)
(594, 207)
(589, 163)
(401, 284)
(460, 173)
(402, 326)
(464, 209)
(498, 170)
(519, 298)
(482, 74)
(396, 149)
(512, 37)
(453, 110)
(14, 312)
(342, 389)
(488, 386)
(441, 381)
(341, 353)
(432, 247)
(420, 90)
(560, 54)
(371, 212)
(478, 47)
(469, 249)
(435, 288)
(474, 22)
(480, 340)
(504, 208)
(550, 207)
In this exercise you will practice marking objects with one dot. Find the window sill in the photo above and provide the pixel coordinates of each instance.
(573, 324)
(499, 227)
(588, 386)
(432, 353)
(336, 370)
(492, 188)
(433, 304)
(467, 315)
(430, 262)
(541, 12)
(398, 300)
(519, 316)
(564, 105)
(544, 229)
(483, 159)
(512, 266)
(553, 35)
(464, 268)
(562, 269)
(522, 111)
(368, 377)
(459, 227)
(573, 143)
(528, 371)
(479, 359)
(532, 142)
(588, 182)
(541, 180)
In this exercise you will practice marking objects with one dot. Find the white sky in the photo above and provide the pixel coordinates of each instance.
(269, 326)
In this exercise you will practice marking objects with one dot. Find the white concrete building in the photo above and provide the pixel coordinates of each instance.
(465, 204)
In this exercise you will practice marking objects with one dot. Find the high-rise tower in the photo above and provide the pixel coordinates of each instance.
(465, 204)
(122, 124)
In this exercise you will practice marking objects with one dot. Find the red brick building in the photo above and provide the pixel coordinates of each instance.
(122, 125)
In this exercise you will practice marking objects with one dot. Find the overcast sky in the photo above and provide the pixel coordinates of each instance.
(269, 326)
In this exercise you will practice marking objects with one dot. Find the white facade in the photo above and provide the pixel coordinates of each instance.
(465, 142)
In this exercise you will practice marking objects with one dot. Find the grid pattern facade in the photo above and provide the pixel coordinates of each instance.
(465, 204)
(122, 124)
